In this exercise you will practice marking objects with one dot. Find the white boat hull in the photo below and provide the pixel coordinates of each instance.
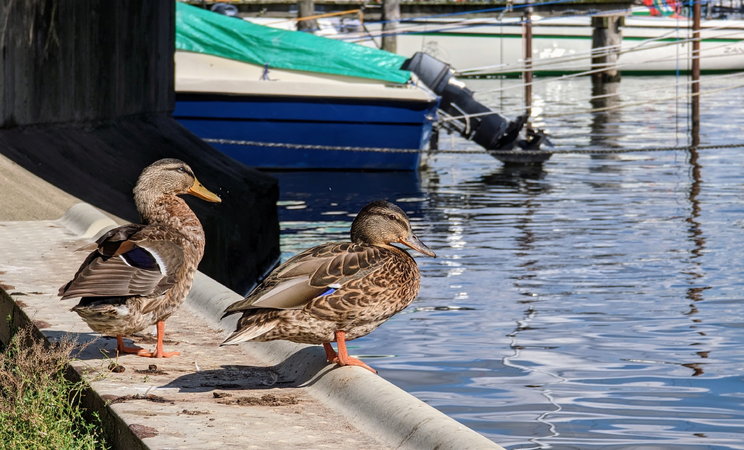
(564, 45)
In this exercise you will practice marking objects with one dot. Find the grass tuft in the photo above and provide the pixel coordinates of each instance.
(39, 407)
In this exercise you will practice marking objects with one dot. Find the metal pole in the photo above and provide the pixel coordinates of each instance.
(527, 35)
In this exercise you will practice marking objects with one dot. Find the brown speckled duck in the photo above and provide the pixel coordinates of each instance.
(337, 291)
(140, 274)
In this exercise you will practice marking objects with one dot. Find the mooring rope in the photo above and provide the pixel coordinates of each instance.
(586, 151)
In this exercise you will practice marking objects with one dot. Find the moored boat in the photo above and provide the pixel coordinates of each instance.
(561, 45)
(279, 99)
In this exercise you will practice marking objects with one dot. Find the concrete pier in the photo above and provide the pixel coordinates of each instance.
(256, 395)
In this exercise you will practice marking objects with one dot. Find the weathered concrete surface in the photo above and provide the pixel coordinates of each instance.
(27, 197)
(206, 398)
(259, 395)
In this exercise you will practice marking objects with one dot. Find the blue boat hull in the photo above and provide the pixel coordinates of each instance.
(388, 124)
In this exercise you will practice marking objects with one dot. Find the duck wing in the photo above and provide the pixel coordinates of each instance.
(315, 272)
(131, 260)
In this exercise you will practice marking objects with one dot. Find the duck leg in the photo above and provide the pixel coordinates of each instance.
(122, 348)
(159, 351)
(330, 352)
(343, 358)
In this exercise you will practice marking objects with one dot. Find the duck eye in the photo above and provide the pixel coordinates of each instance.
(392, 217)
(181, 169)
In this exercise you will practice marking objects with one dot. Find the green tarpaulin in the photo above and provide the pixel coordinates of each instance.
(202, 31)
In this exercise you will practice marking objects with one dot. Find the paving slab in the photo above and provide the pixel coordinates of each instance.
(255, 395)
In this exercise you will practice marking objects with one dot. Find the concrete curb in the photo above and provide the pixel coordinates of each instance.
(394, 417)
(391, 414)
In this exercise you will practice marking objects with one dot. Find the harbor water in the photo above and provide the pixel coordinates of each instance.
(596, 302)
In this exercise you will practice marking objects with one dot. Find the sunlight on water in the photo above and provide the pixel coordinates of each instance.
(596, 302)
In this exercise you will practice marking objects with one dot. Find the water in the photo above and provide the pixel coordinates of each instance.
(595, 303)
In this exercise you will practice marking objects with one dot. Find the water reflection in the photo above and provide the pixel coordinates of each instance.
(606, 118)
(343, 194)
(697, 239)
(592, 303)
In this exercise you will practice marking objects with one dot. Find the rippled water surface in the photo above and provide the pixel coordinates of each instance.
(596, 302)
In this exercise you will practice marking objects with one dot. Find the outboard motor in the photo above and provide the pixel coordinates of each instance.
(473, 120)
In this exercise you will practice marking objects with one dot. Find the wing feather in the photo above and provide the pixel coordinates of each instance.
(129, 260)
(309, 274)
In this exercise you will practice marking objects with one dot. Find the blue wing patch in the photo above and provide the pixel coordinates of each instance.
(140, 258)
(331, 289)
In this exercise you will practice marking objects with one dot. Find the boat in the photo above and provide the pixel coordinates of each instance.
(277, 99)
(563, 45)
(492, 46)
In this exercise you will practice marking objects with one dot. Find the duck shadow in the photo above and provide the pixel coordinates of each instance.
(301, 369)
(91, 346)
(88, 346)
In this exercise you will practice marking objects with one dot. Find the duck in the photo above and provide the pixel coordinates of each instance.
(337, 291)
(137, 275)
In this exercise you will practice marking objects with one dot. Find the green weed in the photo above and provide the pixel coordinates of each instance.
(39, 406)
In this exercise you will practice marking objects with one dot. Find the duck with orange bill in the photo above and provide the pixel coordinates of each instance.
(139, 274)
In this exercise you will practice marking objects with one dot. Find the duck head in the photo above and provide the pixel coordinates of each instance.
(170, 176)
(383, 223)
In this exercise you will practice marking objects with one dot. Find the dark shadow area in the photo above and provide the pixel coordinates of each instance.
(101, 165)
(298, 370)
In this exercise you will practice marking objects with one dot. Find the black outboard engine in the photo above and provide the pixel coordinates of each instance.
(473, 120)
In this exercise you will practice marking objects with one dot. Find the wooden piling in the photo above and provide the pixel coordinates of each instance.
(695, 75)
(306, 8)
(527, 75)
(390, 17)
(606, 40)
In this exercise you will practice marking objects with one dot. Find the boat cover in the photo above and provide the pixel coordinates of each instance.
(202, 31)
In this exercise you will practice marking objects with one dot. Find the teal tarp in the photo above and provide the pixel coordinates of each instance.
(202, 31)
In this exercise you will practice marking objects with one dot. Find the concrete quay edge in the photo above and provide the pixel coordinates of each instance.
(395, 418)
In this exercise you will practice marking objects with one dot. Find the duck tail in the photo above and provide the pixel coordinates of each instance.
(249, 331)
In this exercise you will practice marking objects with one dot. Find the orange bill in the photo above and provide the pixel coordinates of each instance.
(199, 191)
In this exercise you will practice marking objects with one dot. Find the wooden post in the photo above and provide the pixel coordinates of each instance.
(390, 17)
(695, 74)
(306, 8)
(606, 35)
(527, 36)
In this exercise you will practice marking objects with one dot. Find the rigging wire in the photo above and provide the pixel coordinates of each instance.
(603, 109)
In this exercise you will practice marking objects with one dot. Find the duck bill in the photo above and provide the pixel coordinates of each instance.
(413, 242)
(199, 191)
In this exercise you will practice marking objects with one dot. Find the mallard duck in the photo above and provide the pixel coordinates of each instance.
(139, 274)
(338, 291)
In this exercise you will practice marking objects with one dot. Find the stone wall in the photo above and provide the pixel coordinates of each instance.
(86, 91)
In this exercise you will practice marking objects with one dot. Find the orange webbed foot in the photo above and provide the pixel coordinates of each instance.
(343, 358)
(157, 354)
(123, 348)
(349, 361)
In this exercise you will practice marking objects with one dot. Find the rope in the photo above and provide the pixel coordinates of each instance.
(589, 151)
(607, 108)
